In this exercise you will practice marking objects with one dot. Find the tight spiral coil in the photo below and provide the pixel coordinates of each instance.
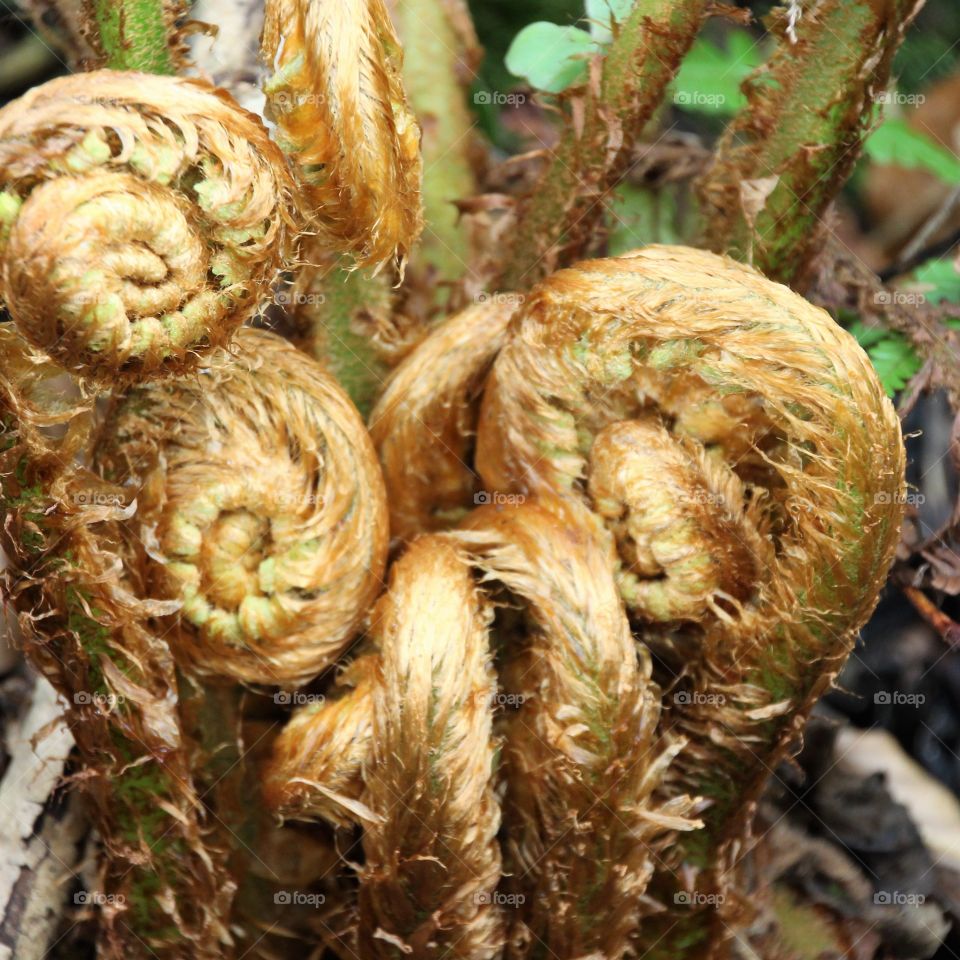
(259, 493)
(141, 220)
(734, 440)
(341, 112)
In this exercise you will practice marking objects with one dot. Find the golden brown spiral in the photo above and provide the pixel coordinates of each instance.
(737, 447)
(260, 495)
(141, 219)
(708, 416)
(341, 112)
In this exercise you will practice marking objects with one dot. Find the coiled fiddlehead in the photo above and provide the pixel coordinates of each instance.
(737, 446)
(582, 757)
(141, 219)
(338, 101)
(316, 770)
(259, 491)
(406, 748)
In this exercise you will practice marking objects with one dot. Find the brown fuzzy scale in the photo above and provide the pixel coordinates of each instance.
(583, 755)
(793, 406)
(142, 218)
(432, 857)
(423, 424)
(259, 494)
(169, 890)
(341, 112)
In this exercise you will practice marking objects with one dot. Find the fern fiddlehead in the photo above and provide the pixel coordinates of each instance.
(260, 492)
(583, 753)
(142, 219)
(736, 445)
(703, 447)
(432, 857)
(338, 101)
(406, 748)
(422, 425)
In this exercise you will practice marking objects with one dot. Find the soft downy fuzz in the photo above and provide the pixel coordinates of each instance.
(432, 857)
(142, 218)
(260, 508)
(736, 445)
(583, 755)
(338, 101)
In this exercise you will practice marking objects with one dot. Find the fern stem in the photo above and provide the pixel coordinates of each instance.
(436, 63)
(555, 223)
(134, 35)
(801, 132)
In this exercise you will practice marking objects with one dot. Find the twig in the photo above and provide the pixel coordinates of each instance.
(933, 225)
(948, 628)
